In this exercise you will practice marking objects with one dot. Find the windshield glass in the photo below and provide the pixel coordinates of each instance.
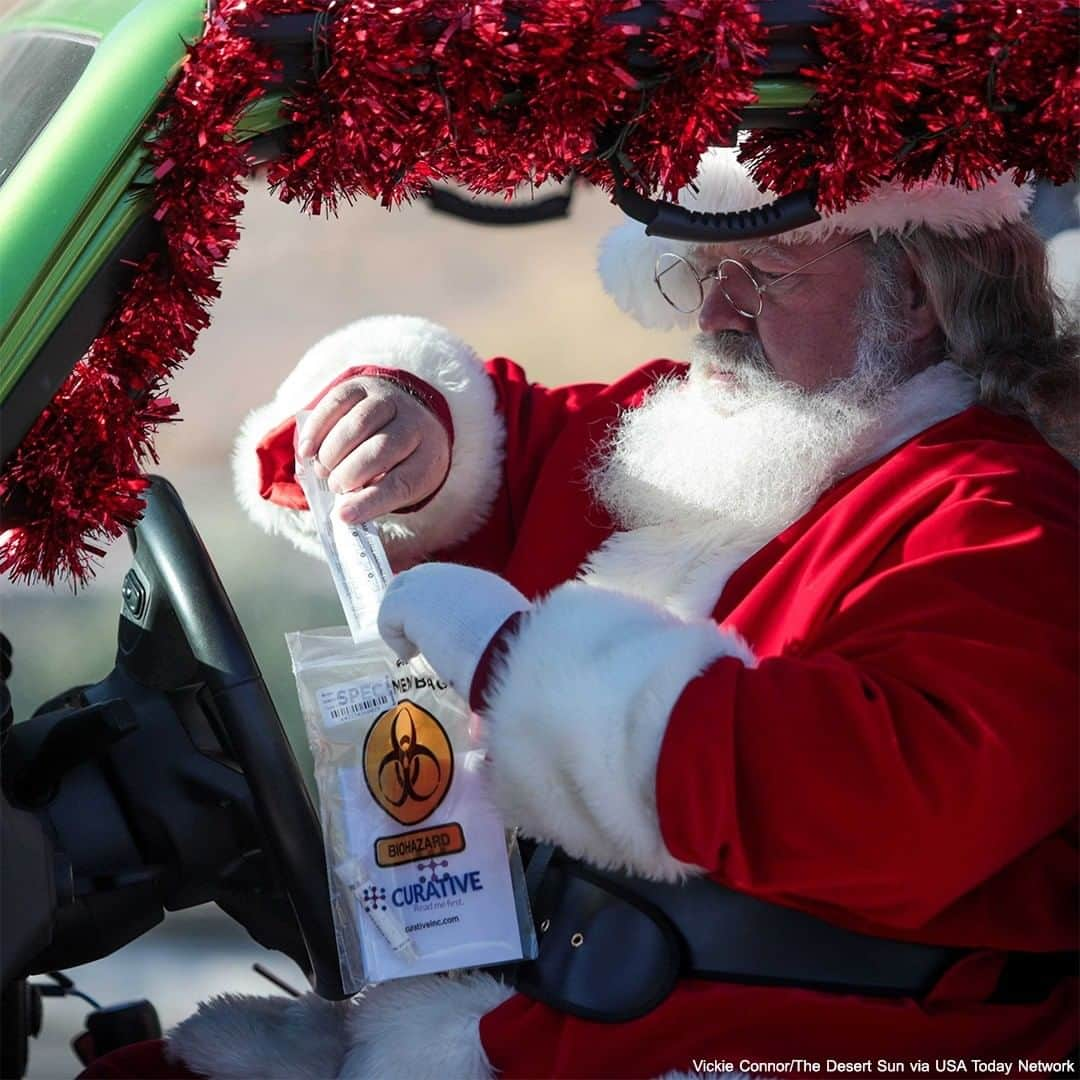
(37, 72)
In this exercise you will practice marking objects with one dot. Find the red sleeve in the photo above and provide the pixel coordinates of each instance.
(923, 739)
(144, 1060)
(535, 416)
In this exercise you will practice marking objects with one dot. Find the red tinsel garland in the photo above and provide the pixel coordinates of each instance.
(77, 472)
(996, 103)
(878, 58)
(720, 48)
(570, 82)
(909, 94)
(464, 92)
(375, 115)
(493, 94)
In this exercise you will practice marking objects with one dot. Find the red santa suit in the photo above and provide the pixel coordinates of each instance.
(869, 716)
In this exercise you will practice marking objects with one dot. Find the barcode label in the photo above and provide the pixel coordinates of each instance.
(355, 700)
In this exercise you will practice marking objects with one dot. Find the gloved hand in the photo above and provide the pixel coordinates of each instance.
(449, 613)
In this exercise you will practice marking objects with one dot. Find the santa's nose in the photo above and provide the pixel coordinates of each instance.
(717, 313)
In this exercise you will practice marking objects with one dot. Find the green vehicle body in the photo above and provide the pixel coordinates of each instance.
(75, 191)
(82, 184)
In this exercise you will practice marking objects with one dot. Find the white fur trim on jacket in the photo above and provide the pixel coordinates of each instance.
(426, 1028)
(237, 1037)
(578, 709)
(431, 353)
(723, 184)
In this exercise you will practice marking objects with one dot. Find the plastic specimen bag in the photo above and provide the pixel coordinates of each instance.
(423, 875)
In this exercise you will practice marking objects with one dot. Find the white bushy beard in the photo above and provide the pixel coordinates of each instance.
(755, 452)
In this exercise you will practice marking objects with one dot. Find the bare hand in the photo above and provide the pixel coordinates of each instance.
(380, 447)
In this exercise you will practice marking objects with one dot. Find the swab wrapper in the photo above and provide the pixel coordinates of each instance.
(358, 564)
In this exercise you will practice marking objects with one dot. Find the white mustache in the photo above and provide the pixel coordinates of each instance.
(730, 350)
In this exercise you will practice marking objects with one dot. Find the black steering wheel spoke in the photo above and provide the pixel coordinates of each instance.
(167, 784)
(179, 632)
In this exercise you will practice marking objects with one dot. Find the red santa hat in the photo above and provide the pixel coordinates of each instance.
(627, 255)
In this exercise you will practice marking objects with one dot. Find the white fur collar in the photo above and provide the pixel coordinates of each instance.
(685, 568)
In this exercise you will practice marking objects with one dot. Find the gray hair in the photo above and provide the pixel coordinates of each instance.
(1000, 320)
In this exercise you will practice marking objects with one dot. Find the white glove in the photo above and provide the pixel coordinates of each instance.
(449, 613)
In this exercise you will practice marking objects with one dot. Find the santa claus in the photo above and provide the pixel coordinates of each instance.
(793, 622)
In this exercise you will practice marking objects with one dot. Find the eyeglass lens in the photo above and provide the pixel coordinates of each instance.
(682, 286)
(740, 288)
(679, 283)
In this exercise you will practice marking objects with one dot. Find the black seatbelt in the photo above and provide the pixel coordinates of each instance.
(613, 947)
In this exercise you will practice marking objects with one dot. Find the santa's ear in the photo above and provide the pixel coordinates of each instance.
(922, 318)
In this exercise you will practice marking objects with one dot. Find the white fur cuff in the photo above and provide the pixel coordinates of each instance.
(438, 357)
(427, 1028)
(578, 710)
(239, 1037)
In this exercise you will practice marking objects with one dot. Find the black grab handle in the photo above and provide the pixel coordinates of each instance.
(677, 223)
(549, 208)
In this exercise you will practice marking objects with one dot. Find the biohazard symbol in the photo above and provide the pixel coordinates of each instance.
(404, 762)
(408, 762)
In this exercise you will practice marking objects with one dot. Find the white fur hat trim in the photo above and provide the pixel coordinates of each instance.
(724, 184)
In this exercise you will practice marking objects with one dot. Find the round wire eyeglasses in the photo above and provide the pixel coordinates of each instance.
(682, 285)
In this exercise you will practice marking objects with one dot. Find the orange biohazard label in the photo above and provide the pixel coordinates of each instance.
(408, 762)
(420, 844)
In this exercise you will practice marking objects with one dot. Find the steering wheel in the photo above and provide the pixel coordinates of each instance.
(173, 591)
